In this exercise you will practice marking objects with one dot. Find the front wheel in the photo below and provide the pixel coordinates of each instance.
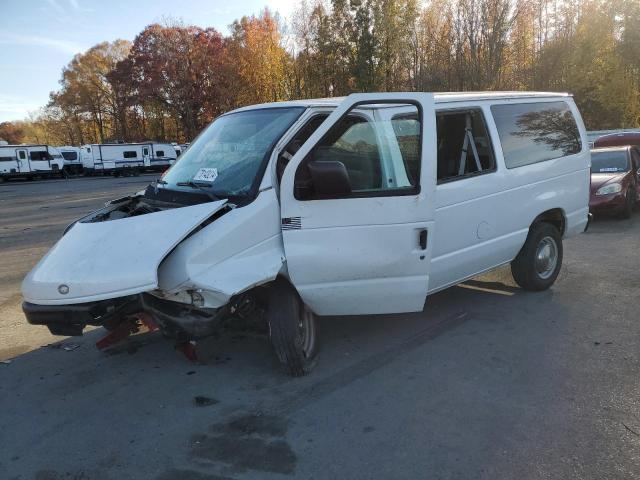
(538, 263)
(630, 200)
(292, 329)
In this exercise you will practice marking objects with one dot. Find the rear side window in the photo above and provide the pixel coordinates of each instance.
(131, 154)
(464, 146)
(535, 132)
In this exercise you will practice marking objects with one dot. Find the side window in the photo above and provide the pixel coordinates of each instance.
(635, 156)
(131, 154)
(297, 141)
(464, 145)
(21, 155)
(367, 149)
(536, 132)
(159, 153)
(145, 152)
(40, 156)
(407, 131)
(88, 150)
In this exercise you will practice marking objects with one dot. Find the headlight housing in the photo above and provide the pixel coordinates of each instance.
(609, 189)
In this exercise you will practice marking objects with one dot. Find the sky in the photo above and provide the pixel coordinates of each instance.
(39, 37)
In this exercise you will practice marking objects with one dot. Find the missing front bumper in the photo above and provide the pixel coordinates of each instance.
(175, 319)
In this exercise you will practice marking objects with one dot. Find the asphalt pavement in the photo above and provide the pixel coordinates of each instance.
(488, 382)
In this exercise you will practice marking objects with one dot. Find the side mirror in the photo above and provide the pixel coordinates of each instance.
(330, 178)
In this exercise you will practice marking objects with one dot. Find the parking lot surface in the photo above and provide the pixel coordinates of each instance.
(488, 382)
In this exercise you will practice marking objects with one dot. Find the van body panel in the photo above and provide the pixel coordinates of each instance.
(239, 250)
(102, 260)
(362, 255)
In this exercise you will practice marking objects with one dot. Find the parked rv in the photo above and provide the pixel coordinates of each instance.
(72, 159)
(356, 206)
(30, 161)
(127, 158)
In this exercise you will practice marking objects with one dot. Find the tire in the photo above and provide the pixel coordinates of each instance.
(627, 210)
(539, 261)
(292, 329)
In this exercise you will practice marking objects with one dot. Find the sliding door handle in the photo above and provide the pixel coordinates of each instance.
(423, 239)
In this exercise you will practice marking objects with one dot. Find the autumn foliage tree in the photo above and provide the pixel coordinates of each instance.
(175, 78)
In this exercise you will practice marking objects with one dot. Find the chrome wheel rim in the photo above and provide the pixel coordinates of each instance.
(546, 257)
(307, 331)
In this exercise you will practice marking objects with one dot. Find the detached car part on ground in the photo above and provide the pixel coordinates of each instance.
(326, 207)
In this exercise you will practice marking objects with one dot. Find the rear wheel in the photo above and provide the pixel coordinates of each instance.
(292, 329)
(538, 263)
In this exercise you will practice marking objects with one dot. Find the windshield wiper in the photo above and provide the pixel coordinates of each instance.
(200, 187)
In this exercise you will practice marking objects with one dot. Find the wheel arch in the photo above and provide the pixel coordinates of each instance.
(553, 216)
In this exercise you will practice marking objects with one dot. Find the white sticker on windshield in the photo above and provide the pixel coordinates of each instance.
(609, 169)
(206, 175)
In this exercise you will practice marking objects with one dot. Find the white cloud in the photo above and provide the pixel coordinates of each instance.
(64, 46)
(283, 7)
(13, 107)
(56, 6)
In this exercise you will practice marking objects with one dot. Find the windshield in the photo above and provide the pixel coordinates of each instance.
(609, 162)
(227, 158)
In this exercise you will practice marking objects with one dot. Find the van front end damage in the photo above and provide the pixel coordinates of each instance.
(175, 319)
(181, 270)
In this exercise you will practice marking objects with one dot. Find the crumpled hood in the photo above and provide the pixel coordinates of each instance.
(96, 261)
(599, 179)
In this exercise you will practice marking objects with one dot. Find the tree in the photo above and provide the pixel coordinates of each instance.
(11, 132)
(176, 70)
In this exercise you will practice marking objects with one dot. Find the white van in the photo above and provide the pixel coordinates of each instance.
(355, 206)
(127, 158)
(72, 159)
(29, 161)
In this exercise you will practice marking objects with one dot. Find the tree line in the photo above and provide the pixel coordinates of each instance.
(173, 78)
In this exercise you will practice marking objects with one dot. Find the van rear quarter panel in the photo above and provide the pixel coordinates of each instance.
(483, 221)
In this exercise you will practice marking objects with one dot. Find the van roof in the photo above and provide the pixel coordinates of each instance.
(439, 97)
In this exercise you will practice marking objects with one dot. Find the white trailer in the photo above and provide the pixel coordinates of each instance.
(29, 161)
(127, 158)
(72, 159)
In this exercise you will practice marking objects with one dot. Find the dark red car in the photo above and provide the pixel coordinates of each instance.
(615, 180)
(617, 140)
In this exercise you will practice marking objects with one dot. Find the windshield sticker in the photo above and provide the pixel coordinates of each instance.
(206, 175)
(609, 169)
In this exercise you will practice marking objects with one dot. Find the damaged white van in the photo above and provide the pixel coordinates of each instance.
(356, 206)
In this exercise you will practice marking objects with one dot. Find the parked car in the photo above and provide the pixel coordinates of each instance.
(617, 140)
(355, 206)
(615, 180)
